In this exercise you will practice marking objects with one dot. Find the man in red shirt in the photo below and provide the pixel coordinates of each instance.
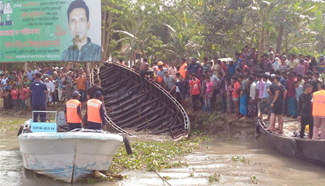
(195, 88)
(80, 81)
(292, 102)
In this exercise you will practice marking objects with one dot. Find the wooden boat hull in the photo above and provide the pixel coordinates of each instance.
(135, 102)
(68, 156)
(306, 149)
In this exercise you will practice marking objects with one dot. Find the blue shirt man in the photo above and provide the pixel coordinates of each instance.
(194, 68)
(39, 91)
(231, 69)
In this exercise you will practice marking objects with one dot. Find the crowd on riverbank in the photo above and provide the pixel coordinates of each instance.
(278, 85)
(242, 87)
(60, 83)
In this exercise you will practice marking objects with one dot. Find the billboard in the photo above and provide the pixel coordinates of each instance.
(50, 30)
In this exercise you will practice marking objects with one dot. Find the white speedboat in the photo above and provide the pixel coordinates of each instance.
(68, 156)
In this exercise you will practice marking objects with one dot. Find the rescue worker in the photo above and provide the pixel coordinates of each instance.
(72, 111)
(95, 112)
(38, 102)
(319, 113)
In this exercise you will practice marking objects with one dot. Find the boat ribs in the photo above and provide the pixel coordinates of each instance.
(137, 103)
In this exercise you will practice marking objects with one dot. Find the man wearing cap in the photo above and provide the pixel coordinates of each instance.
(194, 68)
(39, 92)
(95, 112)
(72, 111)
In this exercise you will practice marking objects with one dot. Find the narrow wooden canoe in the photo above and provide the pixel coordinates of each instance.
(306, 149)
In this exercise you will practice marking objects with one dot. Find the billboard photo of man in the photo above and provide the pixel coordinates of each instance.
(82, 48)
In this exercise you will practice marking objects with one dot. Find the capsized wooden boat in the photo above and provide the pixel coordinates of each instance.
(68, 156)
(137, 103)
(306, 149)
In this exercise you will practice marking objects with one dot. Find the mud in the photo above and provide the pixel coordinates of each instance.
(234, 163)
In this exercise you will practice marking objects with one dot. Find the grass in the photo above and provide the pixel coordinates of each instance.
(150, 156)
(153, 156)
(10, 125)
(241, 159)
(254, 180)
(214, 178)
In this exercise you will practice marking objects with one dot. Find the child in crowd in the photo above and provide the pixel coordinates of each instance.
(235, 94)
(229, 95)
(208, 95)
(14, 97)
(23, 95)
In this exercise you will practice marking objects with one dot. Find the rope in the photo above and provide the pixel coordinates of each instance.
(163, 179)
(116, 127)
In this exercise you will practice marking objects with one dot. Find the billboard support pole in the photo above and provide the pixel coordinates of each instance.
(89, 72)
(26, 67)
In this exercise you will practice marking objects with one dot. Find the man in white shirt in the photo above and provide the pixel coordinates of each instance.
(276, 64)
(252, 104)
(50, 89)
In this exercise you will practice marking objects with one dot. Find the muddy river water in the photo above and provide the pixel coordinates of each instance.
(218, 162)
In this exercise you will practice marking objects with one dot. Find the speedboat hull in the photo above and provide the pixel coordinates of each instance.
(68, 156)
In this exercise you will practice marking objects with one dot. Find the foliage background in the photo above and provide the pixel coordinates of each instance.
(172, 29)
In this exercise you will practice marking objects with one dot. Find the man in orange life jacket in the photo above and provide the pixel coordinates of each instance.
(72, 111)
(319, 113)
(95, 112)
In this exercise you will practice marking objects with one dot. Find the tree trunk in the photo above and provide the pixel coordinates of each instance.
(286, 42)
(262, 37)
(108, 34)
(279, 40)
(106, 31)
(103, 32)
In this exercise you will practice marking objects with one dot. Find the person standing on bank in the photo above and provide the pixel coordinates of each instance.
(95, 112)
(305, 111)
(319, 113)
(92, 90)
(278, 93)
(72, 111)
(39, 92)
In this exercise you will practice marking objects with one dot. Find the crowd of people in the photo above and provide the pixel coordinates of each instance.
(276, 86)
(60, 83)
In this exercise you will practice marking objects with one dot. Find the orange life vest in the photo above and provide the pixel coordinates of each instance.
(182, 70)
(93, 111)
(159, 77)
(319, 104)
(72, 111)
